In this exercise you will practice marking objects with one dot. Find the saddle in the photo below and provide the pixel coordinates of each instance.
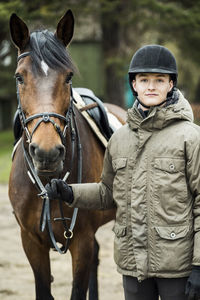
(95, 108)
(92, 105)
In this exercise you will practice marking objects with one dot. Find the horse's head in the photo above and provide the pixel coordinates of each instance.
(43, 77)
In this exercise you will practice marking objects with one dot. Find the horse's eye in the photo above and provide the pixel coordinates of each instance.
(19, 78)
(69, 77)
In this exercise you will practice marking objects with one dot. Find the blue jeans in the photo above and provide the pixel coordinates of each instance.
(152, 288)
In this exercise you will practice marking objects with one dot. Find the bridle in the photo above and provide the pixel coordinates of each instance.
(70, 122)
(45, 116)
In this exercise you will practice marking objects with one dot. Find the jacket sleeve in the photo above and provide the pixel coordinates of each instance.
(96, 195)
(193, 173)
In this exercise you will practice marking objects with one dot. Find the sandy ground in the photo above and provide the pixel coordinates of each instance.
(16, 278)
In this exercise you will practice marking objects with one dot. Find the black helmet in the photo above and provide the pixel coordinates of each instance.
(153, 59)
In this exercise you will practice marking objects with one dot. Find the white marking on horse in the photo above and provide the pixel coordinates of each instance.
(44, 67)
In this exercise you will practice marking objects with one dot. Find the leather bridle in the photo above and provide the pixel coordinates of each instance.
(45, 116)
(70, 122)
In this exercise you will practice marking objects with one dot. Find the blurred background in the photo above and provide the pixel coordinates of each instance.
(107, 33)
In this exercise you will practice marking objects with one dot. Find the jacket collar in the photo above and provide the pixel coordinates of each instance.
(160, 117)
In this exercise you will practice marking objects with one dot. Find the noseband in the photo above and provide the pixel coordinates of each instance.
(46, 117)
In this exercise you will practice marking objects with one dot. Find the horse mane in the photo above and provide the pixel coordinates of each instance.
(44, 46)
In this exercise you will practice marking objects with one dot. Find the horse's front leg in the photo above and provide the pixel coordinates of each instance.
(82, 251)
(93, 280)
(38, 256)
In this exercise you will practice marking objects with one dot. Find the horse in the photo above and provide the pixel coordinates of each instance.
(56, 142)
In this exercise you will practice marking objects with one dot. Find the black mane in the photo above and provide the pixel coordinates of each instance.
(45, 46)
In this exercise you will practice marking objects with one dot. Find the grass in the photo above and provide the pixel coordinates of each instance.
(6, 147)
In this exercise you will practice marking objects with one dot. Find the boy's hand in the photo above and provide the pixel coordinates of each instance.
(59, 189)
(193, 284)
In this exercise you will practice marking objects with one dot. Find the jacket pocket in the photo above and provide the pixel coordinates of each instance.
(170, 189)
(119, 230)
(171, 165)
(120, 245)
(174, 248)
(119, 187)
(123, 253)
(119, 163)
(172, 233)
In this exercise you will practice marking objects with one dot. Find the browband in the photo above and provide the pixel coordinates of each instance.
(22, 55)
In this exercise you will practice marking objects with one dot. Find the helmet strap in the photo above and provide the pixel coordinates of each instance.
(141, 103)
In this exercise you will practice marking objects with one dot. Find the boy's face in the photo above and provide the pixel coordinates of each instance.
(152, 88)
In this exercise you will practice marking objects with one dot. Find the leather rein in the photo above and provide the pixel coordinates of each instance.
(70, 122)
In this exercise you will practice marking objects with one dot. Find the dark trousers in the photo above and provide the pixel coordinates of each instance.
(152, 288)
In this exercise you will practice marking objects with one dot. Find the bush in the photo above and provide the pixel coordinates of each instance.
(6, 147)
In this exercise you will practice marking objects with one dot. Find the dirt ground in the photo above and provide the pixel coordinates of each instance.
(16, 278)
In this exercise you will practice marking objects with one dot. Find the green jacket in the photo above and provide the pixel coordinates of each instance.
(151, 173)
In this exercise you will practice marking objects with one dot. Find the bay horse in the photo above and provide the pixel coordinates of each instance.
(55, 138)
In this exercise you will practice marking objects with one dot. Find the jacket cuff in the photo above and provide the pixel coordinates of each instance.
(86, 196)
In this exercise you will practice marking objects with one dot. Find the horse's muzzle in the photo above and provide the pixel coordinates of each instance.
(47, 162)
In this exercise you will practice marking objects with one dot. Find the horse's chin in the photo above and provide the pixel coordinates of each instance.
(47, 173)
(53, 171)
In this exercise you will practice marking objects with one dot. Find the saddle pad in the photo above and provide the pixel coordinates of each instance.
(96, 110)
(15, 148)
(113, 121)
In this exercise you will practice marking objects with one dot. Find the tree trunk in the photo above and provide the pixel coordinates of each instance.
(111, 38)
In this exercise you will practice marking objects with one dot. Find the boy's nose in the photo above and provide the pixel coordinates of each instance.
(151, 85)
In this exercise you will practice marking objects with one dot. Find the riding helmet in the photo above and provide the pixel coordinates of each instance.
(153, 59)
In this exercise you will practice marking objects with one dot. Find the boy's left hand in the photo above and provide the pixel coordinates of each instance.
(193, 284)
(59, 189)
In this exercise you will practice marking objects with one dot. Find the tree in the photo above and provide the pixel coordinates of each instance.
(125, 25)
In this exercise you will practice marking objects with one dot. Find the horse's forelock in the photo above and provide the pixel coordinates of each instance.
(44, 46)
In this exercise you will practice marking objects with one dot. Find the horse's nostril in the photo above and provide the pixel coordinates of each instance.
(32, 149)
(55, 154)
(61, 150)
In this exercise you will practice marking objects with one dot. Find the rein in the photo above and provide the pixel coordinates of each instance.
(70, 121)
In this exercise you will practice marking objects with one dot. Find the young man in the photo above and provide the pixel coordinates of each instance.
(151, 174)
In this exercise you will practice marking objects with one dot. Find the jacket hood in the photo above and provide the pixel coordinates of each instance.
(160, 117)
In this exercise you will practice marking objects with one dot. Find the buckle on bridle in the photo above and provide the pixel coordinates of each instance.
(69, 232)
(46, 117)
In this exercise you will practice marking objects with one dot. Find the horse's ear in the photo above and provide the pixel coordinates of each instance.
(19, 32)
(65, 28)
